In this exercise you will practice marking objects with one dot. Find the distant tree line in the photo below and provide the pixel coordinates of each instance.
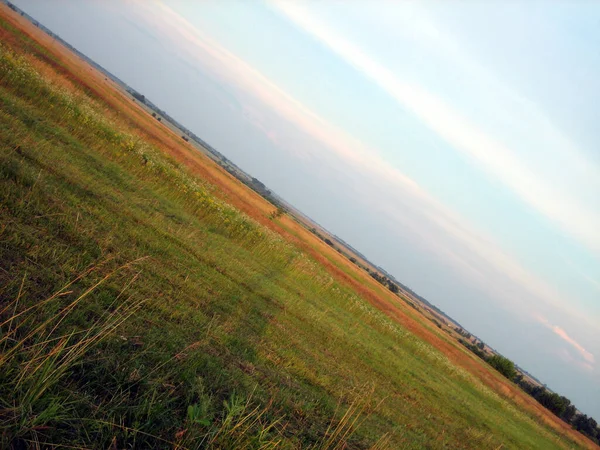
(385, 281)
(559, 405)
(462, 332)
(562, 407)
(474, 348)
(259, 187)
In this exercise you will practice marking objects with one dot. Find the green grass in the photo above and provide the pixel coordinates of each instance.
(139, 310)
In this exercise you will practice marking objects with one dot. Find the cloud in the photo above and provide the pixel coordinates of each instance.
(560, 332)
(563, 334)
(566, 356)
(567, 211)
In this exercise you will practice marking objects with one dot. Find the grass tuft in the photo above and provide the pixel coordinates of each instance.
(35, 358)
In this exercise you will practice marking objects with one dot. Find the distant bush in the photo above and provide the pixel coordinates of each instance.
(393, 287)
(277, 213)
(503, 365)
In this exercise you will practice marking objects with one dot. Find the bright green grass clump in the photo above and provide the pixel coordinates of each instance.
(140, 311)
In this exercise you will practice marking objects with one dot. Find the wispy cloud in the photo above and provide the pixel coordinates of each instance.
(498, 160)
(567, 357)
(560, 332)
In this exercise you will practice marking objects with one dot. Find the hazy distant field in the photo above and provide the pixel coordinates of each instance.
(140, 309)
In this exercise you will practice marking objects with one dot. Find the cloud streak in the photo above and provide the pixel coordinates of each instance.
(585, 354)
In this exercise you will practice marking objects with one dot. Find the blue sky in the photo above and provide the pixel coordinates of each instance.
(455, 143)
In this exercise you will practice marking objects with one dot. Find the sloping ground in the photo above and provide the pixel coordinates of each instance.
(148, 301)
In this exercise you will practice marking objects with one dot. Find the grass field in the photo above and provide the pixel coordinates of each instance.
(140, 308)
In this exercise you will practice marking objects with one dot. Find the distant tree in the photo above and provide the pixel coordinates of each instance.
(503, 365)
(353, 260)
(481, 345)
(586, 425)
(153, 114)
(552, 401)
(393, 287)
(569, 413)
(328, 242)
(518, 378)
(380, 278)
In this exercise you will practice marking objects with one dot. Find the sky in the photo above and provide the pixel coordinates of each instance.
(453, 143)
